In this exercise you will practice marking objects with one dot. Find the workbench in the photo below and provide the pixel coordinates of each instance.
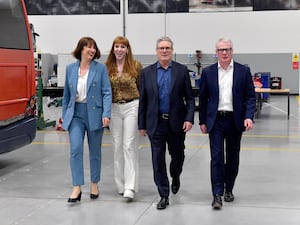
(259, 99)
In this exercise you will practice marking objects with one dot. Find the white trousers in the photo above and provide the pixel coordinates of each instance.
(124, 130)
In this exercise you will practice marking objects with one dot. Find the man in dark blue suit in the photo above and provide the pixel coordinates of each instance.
(166, 113)
(227, 107)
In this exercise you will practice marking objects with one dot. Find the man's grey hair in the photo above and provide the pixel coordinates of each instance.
(164, 38)
(224, 40)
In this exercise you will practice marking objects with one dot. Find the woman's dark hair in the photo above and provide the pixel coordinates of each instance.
(86, 41)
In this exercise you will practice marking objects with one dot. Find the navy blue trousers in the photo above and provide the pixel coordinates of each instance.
(225, 141)
(163, 137)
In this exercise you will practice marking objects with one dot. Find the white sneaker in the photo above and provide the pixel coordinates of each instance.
(129, 194)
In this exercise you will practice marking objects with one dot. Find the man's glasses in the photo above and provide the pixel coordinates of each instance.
(164, 48)
(226, 50)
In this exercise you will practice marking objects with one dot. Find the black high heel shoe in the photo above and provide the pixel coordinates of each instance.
(73, 200)
(94, 196)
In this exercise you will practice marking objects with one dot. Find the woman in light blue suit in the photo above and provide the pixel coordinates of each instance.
(86, 109)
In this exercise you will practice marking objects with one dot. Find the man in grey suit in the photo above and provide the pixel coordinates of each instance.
(227, 107)
(166, 113)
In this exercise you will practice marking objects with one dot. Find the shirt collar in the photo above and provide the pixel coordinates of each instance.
(158, 66)
(229, 67)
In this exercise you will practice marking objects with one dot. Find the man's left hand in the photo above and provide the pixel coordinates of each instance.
(248, 123)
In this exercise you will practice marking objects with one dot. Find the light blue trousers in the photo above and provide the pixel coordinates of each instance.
(78, 127)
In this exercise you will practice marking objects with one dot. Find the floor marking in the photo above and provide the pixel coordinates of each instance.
(298, 99)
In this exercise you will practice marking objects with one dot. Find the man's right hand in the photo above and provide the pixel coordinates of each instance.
(203, 128)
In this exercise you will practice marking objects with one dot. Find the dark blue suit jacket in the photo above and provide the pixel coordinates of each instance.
(182, 103)
(243, 96)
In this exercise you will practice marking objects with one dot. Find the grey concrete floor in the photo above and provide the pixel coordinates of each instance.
(35, 181)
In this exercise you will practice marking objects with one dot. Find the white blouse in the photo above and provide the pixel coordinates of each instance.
(81, 87)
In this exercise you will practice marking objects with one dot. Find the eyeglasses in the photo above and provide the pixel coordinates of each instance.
(226, 50)
(164, 48)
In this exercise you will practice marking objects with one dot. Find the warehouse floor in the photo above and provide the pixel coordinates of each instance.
(35, 181)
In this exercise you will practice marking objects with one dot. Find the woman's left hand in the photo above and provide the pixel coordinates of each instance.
(105, 121)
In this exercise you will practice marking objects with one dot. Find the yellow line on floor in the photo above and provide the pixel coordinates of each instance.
(298, 99)
(272, 149)
(49, 143)
(270, 136)
(60, 143)
(206, 147)
(203, 135)
(191, 147)
(250, 135)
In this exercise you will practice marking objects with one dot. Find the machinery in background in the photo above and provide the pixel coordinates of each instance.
(275, 83)
(196, 77)
(52, 83)
(41, 122)
(264, 78)
(198, 61)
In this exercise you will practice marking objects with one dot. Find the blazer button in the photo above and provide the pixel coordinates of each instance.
(94, 107)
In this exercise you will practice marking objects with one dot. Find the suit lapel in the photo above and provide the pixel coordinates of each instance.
(216, 77)
(153, 78)
(74, 76)
(235, 76)
(92, 73)
(173, 76)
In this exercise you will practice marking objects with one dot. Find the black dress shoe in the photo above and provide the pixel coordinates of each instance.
(175, 185)
(217, 202)
(73, 200)
(228, 197)
(163, 203)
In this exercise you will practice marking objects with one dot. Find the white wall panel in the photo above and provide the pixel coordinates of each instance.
(60, 34)
(252, 32)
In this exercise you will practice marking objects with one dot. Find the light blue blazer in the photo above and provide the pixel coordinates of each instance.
(99, 95)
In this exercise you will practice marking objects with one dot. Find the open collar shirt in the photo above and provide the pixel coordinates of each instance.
(225, 79)
(164, 82)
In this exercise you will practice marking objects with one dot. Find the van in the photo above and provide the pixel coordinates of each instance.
(17, 77)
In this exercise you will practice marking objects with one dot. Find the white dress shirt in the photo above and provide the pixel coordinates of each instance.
(225, 79)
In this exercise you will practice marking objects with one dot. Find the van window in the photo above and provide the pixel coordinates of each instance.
(12, 26)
